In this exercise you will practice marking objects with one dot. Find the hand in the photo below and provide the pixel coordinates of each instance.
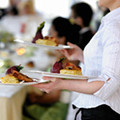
(75, 53)
(54, 84)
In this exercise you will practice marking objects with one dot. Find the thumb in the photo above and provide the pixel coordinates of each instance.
(71, 45)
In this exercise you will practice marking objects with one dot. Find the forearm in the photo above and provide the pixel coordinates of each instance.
(82, 86)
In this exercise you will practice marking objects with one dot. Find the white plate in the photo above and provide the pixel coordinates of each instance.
(57, 75)
(36, 45)
(37, 78)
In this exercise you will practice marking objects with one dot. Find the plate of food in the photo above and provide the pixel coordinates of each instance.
(27, 43)
(64, 70)
(58, 75)
(14, 77)
(40, 41)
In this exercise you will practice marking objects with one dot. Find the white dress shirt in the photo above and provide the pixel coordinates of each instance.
(102, 59)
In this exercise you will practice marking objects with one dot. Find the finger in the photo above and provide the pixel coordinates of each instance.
(66, 53)
(58, 50)
(53, 79)
(49, 78)
(63, 51)
(43, 87)
(40, 85)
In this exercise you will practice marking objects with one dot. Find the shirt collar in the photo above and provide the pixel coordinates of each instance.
(111, 16)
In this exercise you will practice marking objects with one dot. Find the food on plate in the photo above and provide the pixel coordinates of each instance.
(71, 69)
(39, 33)
(21, 76)
(17, 68)
(57, 66)
(50, 41)
(13, 75)
(9, 79)
(39, 39)
(66, 68)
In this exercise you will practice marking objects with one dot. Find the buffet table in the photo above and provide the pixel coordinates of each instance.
(11, 101)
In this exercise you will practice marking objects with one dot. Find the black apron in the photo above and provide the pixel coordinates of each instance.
(102, 112)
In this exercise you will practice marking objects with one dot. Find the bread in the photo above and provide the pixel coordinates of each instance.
(50, 41)
(70, 72)
(9, 79)
(71, 69)
(46, 42)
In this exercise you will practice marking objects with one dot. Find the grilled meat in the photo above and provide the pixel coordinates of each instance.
(21, 76)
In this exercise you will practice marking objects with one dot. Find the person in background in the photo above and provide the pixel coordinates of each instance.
(24, 20)
(26, 7)
(13, 10)
(64, 31)
(81, 15)
(3, 12)
(98, 98)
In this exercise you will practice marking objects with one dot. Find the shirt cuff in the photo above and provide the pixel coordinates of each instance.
(102, 90)
(100, 78)
(108, 88)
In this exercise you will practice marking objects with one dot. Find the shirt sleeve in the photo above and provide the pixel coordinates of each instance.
(110, 63)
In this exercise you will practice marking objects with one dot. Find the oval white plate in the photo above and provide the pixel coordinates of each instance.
(37, 78)
(45, 46)
(57, 75)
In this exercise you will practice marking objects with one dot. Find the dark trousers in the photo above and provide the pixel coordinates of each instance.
(102, 112)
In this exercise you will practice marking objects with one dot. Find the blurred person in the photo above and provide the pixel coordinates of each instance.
(26, 7)
(30, 19)
(23, 21)
(64, 31)
(3, 12)
(81, 15)
(98, 98)
(13, 10)
(14, 2)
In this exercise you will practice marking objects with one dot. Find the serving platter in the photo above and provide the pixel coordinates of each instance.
(37, 78)
(65, 76)
(27, 43)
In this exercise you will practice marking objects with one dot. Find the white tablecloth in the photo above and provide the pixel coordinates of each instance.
(11, 108)
(9, 91)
